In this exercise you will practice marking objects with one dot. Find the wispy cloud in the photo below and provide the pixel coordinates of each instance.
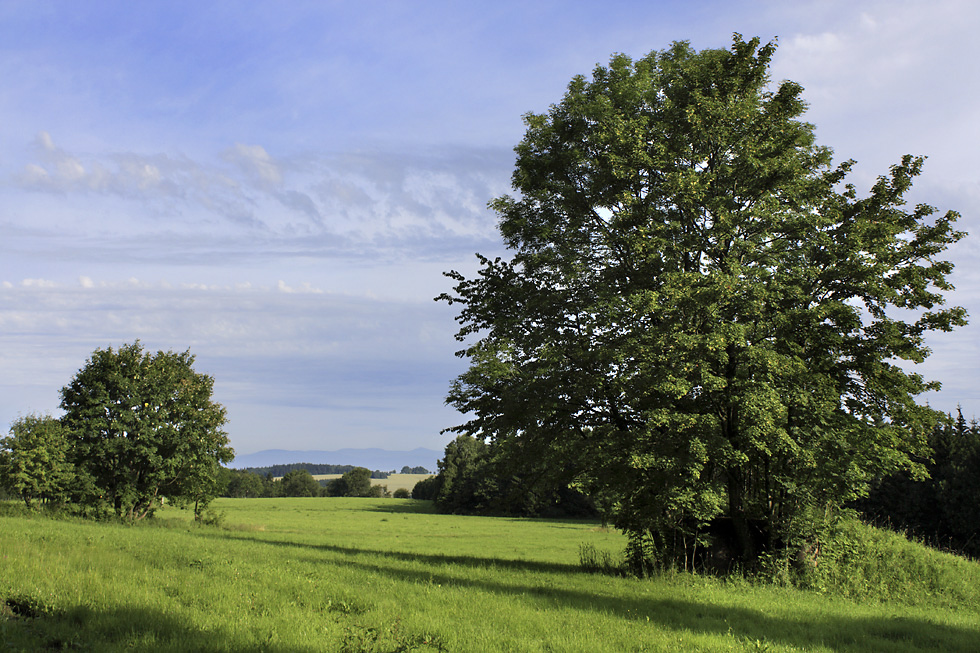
(365, 198)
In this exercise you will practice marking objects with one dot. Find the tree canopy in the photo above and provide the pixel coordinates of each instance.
(300, 483)
(34, 460)
(700, 315)
(142, 427)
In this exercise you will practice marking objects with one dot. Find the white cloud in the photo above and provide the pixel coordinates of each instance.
(368, 199)
(305, 288)
(257, 163)
(37, 283)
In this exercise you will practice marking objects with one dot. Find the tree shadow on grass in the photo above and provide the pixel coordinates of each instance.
(427, 558)
(121, 629)
(836, 632)
(416, 507)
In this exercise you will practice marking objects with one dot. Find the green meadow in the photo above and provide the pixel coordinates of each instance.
(331, 574)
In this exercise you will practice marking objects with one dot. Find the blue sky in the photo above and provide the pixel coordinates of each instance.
(279, 186)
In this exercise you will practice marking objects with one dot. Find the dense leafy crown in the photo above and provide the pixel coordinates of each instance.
(700, 315)
(143, 427)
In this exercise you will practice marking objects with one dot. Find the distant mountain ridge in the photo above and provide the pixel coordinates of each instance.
(373, 459)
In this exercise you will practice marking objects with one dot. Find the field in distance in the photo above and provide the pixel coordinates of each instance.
(344, 574)
(393, 482)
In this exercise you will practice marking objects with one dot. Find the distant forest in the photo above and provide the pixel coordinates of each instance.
(316, 469)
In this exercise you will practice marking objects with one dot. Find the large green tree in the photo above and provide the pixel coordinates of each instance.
(143, 427)
(700, 316)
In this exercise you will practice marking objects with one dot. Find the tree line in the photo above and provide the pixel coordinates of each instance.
(319, 469)
(313, 468)
(938, 504)
(475, 477)
(299, 482)
(140, 429)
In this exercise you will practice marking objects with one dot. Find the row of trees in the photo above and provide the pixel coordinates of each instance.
(138, 428)
(939, 504)
(943, 506)
(700, 318)
(480, 478)
(321, 468)
(356, 482)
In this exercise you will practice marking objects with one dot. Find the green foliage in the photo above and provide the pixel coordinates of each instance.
(142, 427)
(357, 482)
(34, 460)
(402, 493)
(427, 489)
(299, 483)
(461, 473)
(379, 492)
(942, 507)
(477, 478)
(210, 517)
(315, 469)
(853, 560)
(700, 316)
(336, 487)
(244, 484)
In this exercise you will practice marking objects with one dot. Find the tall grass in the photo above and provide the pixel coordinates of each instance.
(871, 564)
(390, 575)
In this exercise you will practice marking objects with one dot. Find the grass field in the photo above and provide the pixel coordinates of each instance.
(390, 575)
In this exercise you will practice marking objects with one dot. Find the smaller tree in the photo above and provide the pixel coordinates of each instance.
(401, 493)
(34, 461)
(462, 473)
(358, 482)
(271, 488)
(379, 492)
(244, 484)
(335, 487)
(300, 483)
(427, 489)
(142, 427)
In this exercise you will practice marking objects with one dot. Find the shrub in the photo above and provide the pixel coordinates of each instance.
(379, 492)
(427, 489)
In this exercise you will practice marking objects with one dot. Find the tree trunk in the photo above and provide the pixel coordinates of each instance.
(740, 522)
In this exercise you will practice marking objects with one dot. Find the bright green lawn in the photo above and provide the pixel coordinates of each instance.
(388, 575)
